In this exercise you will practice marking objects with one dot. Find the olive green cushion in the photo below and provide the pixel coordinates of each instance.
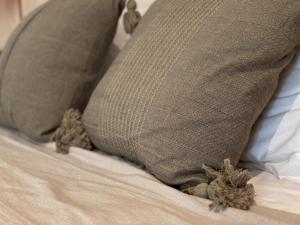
(53, 61)
(190, 84)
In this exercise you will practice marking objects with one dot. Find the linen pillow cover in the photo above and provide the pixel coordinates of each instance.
(191, 82)
(52, 62)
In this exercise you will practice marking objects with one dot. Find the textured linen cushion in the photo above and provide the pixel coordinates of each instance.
(189, 85)
(53, 61)
(275, 143)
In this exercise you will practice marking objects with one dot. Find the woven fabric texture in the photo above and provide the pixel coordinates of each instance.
(53, 61)
(188, 87)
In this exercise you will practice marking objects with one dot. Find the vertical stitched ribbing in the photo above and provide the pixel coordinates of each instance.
(138, 79)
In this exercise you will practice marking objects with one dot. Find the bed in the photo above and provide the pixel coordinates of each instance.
(39, 186)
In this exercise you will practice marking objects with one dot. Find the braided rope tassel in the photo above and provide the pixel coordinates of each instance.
(132, 17)
(71, 133)
(228, 187)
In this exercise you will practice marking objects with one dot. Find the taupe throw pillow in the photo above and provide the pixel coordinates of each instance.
(53, 61)
(190, 84)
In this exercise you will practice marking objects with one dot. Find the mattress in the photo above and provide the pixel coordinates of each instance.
(38, 186)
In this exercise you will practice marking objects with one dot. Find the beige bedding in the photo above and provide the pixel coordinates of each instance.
(38, 186)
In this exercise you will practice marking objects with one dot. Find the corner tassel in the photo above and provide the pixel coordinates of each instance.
(132, 17)
(71, 133)
(227, 188)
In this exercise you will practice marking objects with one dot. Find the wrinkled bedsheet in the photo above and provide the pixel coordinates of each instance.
(38, 186)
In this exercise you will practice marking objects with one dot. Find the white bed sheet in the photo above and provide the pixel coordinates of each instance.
(38, 186)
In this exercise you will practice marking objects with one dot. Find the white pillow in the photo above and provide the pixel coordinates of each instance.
(275, 145)
(121, 37)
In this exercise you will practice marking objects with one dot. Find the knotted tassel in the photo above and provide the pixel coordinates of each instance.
(71, 133)
(131, 17)
(227, 188)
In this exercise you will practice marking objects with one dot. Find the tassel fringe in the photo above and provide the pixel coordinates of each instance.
(132, 17)
(227, 188)
(71, 133)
